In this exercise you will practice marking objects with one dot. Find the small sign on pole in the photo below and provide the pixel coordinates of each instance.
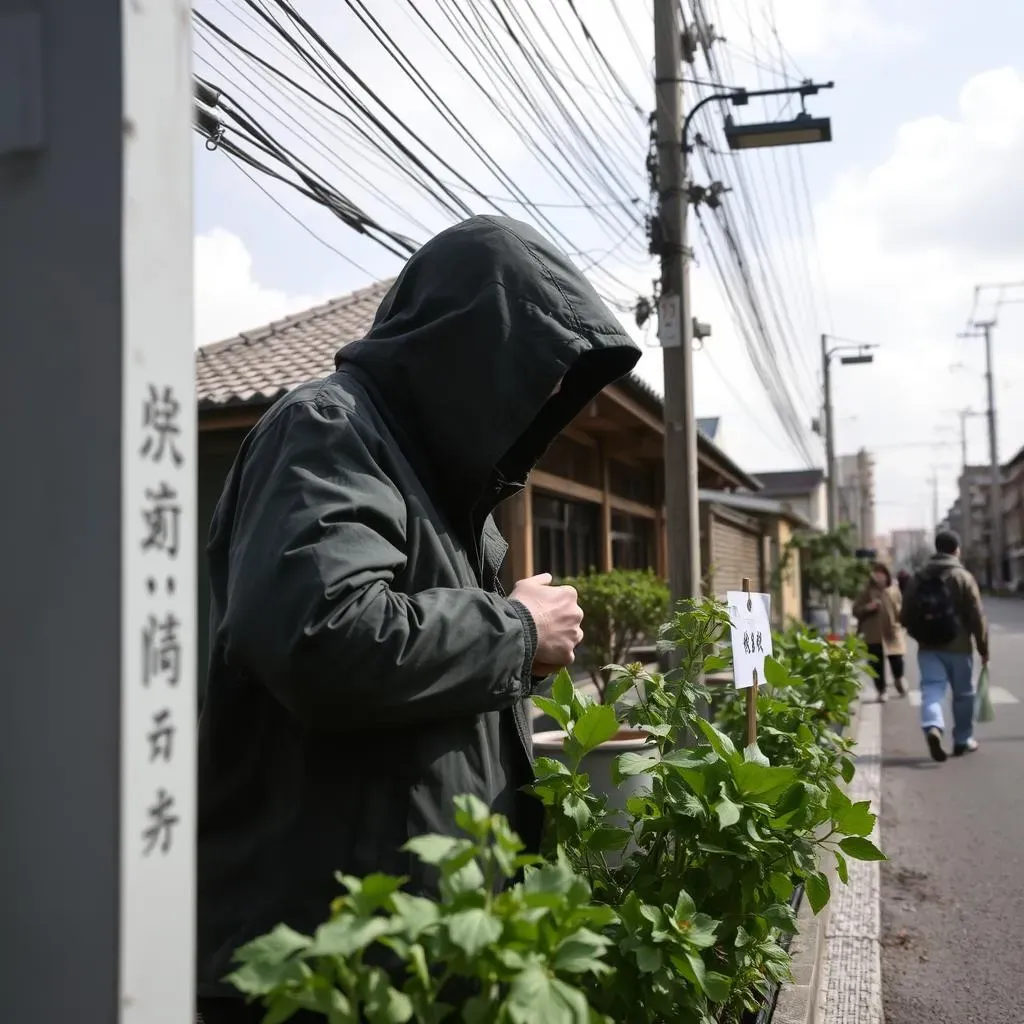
(750, 617)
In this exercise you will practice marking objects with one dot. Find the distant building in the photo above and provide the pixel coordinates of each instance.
(975, 528)
(855, 486)
(908, 547)
(801, 491)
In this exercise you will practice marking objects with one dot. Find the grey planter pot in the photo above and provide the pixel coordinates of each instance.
(598, 765)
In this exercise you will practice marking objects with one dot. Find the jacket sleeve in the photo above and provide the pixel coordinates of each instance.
(974, 613)
(318, 542)
(860, 606)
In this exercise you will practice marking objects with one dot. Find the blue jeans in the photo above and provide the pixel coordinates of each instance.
(937, 669)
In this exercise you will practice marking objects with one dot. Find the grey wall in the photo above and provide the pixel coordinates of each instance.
(60, 437)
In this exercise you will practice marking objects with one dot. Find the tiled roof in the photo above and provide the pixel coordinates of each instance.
(259, 366)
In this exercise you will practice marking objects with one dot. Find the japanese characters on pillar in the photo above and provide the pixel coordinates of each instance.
(158, 665)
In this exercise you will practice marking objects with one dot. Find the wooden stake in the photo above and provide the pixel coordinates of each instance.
(752, 691)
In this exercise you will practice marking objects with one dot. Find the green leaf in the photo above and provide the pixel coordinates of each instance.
(545, 767)
(347, 935)
(685, 907)
(631, 763)
(562, 688)
(535, 996)
(818, 890)
(857, 819)
(728, 812)
(618, 687)
(649, 959)
(860, 848)
(847, 769)
(472, 815)
(260, 977)
(416, 913)
(384, 1004)
(597, 724)
(551, 707)
(720, 743)
(608, 837)
(776, 675)
(581, 952)
(576, 808)
(717, 986)
(716, 663)
(781, 885)
(275, 947)
(842, 868)
(473, 930)
(432, 848)
(763, 780)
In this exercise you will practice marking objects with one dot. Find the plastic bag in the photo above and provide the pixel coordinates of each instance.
(983, 710)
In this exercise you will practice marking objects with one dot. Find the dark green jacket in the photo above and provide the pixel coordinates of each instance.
(967, 597)
(365, 665)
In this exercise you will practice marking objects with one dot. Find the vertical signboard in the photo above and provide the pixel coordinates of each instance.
(158, 501)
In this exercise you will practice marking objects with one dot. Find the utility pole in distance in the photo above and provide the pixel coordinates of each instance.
(98, 411)
(675, 326)
(966, 539)
(983, 329)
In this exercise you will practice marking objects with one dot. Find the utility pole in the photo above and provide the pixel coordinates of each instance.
(675, 318)
(830, 466)
(996, 502)
(966, 516)
(97, 639)
(934, 481)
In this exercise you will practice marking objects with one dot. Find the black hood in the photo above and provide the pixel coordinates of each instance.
(470, 342)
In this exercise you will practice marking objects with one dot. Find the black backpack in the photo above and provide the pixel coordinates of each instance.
(935, 621)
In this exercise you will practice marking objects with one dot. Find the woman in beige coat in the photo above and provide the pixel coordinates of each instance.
(878, 620)
(896, 644)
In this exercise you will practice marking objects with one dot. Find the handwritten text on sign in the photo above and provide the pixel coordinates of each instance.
(751, 635)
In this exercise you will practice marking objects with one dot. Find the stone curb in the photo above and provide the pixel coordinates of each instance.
(817, 995)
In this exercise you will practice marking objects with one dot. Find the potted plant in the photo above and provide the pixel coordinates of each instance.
(621, 608)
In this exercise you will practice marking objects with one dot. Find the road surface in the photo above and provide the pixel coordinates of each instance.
(953, 888)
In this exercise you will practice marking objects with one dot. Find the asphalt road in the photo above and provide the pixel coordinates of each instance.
(953, 887)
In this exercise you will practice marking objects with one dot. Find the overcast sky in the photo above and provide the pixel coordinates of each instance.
(915, 202)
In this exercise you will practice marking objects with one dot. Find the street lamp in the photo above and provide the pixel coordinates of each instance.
(801, 131)
(861, 354)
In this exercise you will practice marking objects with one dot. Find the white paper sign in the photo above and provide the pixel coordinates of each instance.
(670, 324)
(751, 635)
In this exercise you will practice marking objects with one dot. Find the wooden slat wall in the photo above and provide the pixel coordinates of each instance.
(737, 551)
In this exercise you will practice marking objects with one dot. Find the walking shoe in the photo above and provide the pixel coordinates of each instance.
(934, 738)
(882, 696)
(965, 748)
(901, 687)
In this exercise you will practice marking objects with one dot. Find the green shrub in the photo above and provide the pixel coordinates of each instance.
(621, 608)
(674, 917)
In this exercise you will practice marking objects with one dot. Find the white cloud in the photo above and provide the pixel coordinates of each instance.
(228, 298)
(905, 244)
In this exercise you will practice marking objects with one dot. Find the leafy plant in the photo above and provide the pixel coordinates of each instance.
(620, 608)
(702, 870)
(827, 562)
(484, 951)
(671, 911)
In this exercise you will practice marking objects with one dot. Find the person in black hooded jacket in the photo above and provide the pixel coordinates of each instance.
(365, 666)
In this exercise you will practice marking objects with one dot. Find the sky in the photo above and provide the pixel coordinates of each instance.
(879, 237)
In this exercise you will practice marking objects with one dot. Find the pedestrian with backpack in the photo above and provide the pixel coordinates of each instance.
(942, 611)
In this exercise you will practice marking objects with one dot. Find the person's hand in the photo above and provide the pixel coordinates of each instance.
(557, 615)
(872, 606)
(984, 660)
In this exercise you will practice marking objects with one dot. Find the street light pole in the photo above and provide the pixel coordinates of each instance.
(675, 328)
(996, 471)
(830, 464)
